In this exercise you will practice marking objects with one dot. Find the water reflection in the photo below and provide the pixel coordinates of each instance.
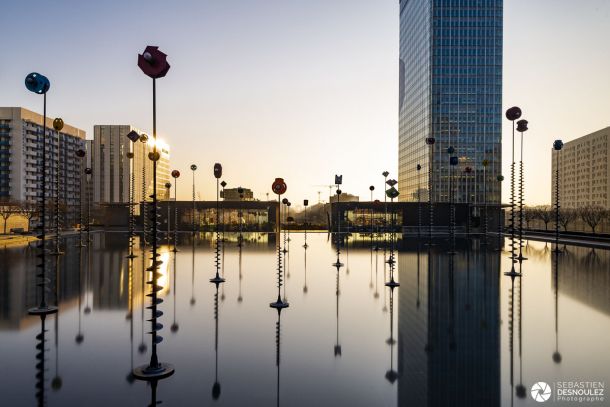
(442, 328)
(449, 338)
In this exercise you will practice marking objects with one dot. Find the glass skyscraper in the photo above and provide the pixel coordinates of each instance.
(450, 88)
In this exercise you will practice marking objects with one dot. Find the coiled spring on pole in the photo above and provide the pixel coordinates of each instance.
(154, 268)
(279, 269)
(143, 202)
(40, 364)
(512, 212)
(521, 198)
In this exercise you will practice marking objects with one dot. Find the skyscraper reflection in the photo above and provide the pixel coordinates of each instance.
(449, 344)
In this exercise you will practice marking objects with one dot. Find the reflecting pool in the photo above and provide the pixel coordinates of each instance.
(457, 332)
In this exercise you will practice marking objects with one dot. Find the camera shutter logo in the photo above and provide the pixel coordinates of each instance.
(541, 392)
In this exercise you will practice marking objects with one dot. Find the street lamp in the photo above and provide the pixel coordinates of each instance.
(217, 279)
(58, 124)
(521, 128)
(557, 146)
(512, 114)
(193, 168)
(175, 175)
(154, 64)
(39, 84)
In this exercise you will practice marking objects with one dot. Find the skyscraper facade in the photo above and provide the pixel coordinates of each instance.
(450, 88)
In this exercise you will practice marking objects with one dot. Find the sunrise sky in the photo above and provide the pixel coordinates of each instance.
(288, 88)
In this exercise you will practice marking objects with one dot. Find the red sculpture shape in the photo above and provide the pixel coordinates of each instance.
(153, 62)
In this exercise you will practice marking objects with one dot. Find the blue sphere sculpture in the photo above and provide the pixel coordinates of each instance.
(37, 83)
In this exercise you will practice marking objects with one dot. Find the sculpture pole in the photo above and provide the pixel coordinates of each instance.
(39, 84)
(154, 64)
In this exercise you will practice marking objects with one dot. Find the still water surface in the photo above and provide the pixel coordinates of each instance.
(457, 332)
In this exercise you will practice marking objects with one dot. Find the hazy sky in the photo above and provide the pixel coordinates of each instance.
(290, 88)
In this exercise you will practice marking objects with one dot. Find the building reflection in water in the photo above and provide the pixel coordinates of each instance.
(449, 339)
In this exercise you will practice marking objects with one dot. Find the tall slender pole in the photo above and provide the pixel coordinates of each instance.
(143, 211)
(80, 154)
(418, 201)
(175, 249)
(557, 146)
(58, 125)
(131, 206)
(217, 279)
(521, 127)
(193, 168)
(154, 370)
(512, 114)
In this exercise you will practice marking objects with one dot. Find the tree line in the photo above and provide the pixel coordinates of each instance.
(592, 216)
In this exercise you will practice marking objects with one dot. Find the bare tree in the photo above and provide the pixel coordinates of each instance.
(592, 216)
(529, 214)
(7, 209)
(545, 214)
(567, 216)
(28, 210)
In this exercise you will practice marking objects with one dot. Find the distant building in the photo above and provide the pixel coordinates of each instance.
(584, 174)
(233, 194)
(21, 158)
(450, 88)
(345, 197)
(112, 169)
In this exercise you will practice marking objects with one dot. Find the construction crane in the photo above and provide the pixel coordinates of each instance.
(330, 190)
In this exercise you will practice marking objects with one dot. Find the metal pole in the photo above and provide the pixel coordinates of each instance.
(175, 215)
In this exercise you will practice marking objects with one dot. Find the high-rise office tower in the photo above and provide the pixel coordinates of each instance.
(450, 88)
(112, 168)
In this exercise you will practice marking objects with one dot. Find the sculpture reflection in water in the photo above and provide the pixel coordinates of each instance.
(193, 300)
(337, 348)
(278, 343)
(391, 375)
(130, 378)
(174, 328)
(556, 354)
(41, 368)
(57, 381)
(216, 385)
(80, 336)
(305, 288)
(240, 297)
(442, 345)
